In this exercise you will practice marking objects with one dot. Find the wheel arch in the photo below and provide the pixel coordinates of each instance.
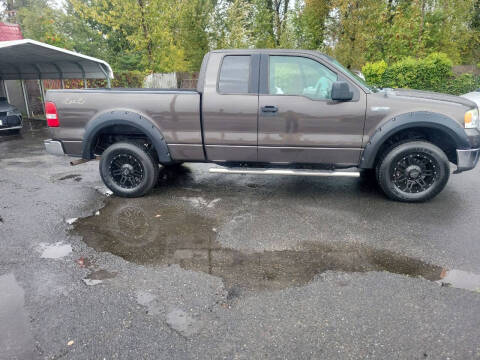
(124, 118)
(444, 132)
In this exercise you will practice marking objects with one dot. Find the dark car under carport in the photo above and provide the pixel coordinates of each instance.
(10, 117)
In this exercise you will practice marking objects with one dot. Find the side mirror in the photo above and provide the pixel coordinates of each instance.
(341, 91)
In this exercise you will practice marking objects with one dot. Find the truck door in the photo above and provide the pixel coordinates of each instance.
(230, 106)
(298, 122)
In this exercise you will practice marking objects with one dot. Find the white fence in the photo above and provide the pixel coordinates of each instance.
(161, 81)
(184, 80)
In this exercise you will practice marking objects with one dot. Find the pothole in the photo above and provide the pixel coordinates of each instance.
(143, 232)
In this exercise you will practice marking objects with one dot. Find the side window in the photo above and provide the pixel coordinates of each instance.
(294, 75)
(234, 74)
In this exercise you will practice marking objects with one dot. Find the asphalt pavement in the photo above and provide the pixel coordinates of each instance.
(212, 266)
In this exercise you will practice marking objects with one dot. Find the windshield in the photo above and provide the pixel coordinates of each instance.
(351, 74)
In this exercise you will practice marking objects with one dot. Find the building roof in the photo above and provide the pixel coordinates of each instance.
(10, 32)
(30, 59)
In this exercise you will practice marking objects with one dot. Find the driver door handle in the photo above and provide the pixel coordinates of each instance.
(269, 109)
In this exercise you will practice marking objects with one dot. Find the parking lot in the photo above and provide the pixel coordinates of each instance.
(231, 266)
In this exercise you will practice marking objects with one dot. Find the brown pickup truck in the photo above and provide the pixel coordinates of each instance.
(289, 112)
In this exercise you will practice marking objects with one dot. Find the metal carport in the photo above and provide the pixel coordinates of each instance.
(28, 59)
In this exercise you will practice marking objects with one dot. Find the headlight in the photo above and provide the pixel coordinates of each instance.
(471, 119)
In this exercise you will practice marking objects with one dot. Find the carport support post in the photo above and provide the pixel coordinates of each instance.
(25, 97)
(107, 76)
(42, 93)
(6, 90)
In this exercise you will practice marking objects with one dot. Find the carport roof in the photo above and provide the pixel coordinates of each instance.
(29, 60)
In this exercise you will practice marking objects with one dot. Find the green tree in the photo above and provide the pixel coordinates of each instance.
(353, 22)
(193, 31)
(232, 25)
(310, 19)
(150, 27)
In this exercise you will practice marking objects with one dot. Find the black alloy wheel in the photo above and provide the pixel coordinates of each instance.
(413, 171)
(128, 169)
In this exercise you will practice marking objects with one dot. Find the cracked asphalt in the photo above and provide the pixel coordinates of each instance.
(210, 266)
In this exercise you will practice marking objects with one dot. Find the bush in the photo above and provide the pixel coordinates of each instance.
(373, 72)
(122, 79)
(128, 79)
(462, 84)
(433, 73)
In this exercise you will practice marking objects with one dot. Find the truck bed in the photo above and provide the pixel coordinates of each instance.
(176, 112)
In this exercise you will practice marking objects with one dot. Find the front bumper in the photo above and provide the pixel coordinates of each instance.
(467, 159)
(54, 147)
(11, 122)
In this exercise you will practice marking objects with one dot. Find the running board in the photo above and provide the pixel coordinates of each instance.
(295, 172)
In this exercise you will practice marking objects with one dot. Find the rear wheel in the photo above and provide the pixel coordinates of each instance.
(128, 170)
(414, 171)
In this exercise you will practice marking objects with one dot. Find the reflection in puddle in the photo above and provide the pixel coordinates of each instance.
(99, 275)
(144, 232)
(96, 275)
(16, 341)
(460, 279)
(54, 251)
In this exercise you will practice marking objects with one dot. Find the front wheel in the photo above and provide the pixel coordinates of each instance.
(415, 171)
(128, 170)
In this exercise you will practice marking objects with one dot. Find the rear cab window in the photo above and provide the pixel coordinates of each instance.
(234, 75)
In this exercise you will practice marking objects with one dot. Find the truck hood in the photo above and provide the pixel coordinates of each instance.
(417, 94)
(473, 96)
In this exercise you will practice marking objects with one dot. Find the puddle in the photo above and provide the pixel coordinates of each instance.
(182, 322)
(104, 190)
(97, 277)
(147, 232)
(76, 177)
(460, 279)
(16, 340)
(200, 202)
(54, 251)
(70, 221)
(26, 164)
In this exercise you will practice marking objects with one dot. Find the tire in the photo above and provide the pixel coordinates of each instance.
(128, 170)
(413, 171)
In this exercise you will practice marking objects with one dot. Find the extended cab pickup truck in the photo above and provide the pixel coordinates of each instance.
(290, 112)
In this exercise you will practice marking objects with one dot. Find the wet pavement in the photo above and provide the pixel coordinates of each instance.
(214, 266)
(171, 232)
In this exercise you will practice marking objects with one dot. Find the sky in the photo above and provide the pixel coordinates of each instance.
(57, 3)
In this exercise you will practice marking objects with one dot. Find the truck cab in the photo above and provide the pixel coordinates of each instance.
(277, 108)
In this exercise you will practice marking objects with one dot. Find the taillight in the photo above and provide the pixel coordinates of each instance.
(51, 114)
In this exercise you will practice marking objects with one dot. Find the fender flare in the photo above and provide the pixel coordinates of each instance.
(125, 117)
(423, 119)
